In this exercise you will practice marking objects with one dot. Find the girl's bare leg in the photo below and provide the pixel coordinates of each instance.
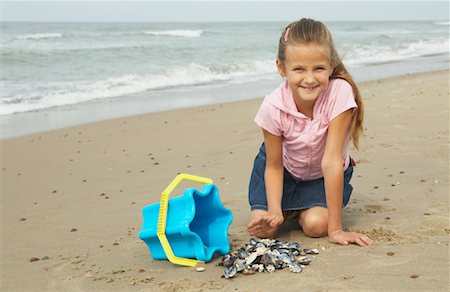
(314, 221)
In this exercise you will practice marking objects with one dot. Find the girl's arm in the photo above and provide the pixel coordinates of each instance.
(273, 175)
(333, 172)
(267, 224)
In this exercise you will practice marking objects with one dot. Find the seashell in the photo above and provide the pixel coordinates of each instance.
(285, 258)
(284, 244)
(270, 268)
(267, 241)
(294, 246)
(275, 252)
(251, 258)
(242, 253)
(265, 255)
(230, 272)
(250, 248)
(284, 250)
(287, 253)
(295, 268)
(261, 250)
(228, 260)
(304, 261)
(260, 245)
(240, 265)
(311, 251)
(200, 269)
(267, 259)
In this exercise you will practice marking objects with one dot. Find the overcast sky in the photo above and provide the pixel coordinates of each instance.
(222, 10)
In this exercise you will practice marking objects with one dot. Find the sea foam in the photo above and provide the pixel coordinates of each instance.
(175, 33)
(79, 92)
(40, 36)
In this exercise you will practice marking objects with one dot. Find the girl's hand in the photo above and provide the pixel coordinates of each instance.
(345, 238)
(265, 225)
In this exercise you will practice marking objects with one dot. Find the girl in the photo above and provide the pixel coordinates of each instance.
(307, 122)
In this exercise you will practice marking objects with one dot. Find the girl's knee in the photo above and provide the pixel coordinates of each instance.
(314, 224)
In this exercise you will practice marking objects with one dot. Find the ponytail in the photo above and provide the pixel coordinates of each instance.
(356, 128)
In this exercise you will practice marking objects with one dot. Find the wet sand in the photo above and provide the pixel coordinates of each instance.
(71, 199)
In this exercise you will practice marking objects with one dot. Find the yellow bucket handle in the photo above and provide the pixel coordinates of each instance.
(162, 217)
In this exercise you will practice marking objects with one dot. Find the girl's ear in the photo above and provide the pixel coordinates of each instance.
(280, 68)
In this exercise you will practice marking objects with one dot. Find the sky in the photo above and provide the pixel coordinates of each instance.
(141, 11)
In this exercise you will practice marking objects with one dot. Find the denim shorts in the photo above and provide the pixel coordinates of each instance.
(297, 195)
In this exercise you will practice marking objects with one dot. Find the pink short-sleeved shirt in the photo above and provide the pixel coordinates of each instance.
(304, 139)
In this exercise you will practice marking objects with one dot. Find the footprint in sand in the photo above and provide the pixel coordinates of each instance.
(58, 266)
(382, 259)
(384, 235)
(188, 284)
(378, 208)
(434, 225)
(362, 160)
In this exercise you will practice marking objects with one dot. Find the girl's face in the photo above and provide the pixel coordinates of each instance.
(307, 70)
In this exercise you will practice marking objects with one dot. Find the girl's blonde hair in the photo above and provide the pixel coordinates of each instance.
(309, 31)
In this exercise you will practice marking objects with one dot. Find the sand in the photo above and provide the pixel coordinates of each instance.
(72, 198)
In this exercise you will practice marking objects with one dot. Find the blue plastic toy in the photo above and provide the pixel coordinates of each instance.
(196, 225)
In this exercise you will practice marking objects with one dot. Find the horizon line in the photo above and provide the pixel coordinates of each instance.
(211, 21)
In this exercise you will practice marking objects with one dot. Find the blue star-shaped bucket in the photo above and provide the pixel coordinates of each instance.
(196, 224)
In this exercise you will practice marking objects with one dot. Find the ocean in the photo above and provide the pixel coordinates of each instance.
(59, 74)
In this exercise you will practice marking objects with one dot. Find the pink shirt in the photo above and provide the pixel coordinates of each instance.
(304, 139)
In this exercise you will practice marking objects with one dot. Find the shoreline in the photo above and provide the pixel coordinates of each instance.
(73, 197)
(26, 123)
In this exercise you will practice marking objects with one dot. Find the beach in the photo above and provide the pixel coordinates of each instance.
(72, 198)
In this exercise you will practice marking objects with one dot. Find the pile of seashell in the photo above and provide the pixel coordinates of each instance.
(266, 255)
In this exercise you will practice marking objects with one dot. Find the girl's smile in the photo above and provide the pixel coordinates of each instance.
(309, 89)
